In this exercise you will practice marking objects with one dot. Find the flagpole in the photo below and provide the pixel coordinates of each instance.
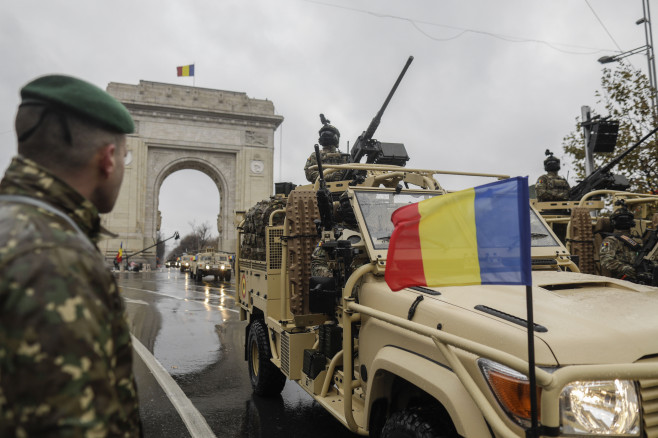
(533, 432)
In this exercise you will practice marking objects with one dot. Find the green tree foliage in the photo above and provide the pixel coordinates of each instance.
(625, 95)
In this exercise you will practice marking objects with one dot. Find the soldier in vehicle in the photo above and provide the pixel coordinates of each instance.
(619, 250)
(345, 219)
(329, 138)
(551, 186)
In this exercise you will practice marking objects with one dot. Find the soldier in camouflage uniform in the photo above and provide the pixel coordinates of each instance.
(65, 347)
(345, 219)
(619, 251)
(329, 154)
(551, 186)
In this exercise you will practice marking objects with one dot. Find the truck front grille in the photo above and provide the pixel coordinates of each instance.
(649, 396)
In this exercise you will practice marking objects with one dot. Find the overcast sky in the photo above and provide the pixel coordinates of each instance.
(492, 86)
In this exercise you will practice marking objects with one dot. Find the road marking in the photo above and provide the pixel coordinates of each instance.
(195, 422)
(129, 300)
(180, 299)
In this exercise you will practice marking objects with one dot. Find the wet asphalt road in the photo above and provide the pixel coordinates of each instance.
(193, 331)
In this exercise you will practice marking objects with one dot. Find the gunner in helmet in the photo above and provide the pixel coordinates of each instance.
(551, 186)
(329, 137)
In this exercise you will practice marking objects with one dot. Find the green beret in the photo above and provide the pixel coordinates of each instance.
(85, 100)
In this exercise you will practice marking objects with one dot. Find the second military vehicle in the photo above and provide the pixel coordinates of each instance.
(211, 262)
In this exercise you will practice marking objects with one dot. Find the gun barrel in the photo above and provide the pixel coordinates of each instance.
(318, 158)
(375, 121)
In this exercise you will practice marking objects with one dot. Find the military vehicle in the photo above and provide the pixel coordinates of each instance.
(438, 361)
(211, 262)
(582, 221)
(185, 262)
(582, 225)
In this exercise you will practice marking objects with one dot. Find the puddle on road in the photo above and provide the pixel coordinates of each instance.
(187, 341)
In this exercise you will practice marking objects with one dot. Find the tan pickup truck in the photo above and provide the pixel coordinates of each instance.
(441, 361)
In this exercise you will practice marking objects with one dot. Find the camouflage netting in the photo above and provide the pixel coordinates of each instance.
(258, 216)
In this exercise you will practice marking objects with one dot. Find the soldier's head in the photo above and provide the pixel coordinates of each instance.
(551, 163)
(622, 218)
(329, 136)
(78, 132)
(345, 212)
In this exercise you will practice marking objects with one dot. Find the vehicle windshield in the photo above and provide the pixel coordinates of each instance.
(377, 208)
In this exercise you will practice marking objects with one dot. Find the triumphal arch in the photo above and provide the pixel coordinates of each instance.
(224, 134)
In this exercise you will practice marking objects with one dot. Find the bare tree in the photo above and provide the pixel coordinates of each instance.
(202, 234)
(200, 239)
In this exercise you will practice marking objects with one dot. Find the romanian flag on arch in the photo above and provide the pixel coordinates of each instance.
(185, 70)
(475, 236)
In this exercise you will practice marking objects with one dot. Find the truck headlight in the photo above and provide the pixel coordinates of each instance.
(223, 267)
(207, 267)
(607, 407)
(512, 390)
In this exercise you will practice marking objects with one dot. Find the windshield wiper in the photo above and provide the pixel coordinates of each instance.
(538, 235)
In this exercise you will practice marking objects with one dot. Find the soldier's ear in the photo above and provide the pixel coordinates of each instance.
(107, 160)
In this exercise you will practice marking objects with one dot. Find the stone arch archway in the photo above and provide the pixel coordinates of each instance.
(224, 134)
(207, 168)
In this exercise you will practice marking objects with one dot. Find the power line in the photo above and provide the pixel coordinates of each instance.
(464, 31)
(603, 25)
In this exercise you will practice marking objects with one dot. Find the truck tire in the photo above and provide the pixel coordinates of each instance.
(227, 276)
(266, 378)
(414, 423)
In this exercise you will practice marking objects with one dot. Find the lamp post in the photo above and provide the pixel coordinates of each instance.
(648, 47)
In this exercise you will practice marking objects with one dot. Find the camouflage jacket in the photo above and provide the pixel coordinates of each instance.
(552, 187)
(329, 156)
(65, 348)
(617, 256)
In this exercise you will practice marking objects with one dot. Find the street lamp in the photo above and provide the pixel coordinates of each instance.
(648, 47)
(615, 58)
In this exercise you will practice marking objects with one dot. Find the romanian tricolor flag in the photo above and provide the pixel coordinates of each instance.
(475, 236)
(120, 253)
(185, 70)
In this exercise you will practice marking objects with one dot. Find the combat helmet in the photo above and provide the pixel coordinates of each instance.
(622, 218)
(552, 163)
(329, 134)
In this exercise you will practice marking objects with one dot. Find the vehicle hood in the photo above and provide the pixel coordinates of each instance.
(582, 318)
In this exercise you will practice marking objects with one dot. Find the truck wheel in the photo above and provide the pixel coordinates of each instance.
(227, 276)
(414, 423)
(266, 378)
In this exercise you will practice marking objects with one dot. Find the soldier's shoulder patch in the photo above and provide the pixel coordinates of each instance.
(605, 247)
